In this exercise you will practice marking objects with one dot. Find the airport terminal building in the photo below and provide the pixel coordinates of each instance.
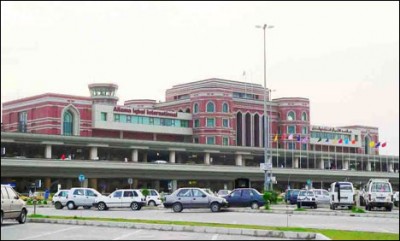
(210, 133)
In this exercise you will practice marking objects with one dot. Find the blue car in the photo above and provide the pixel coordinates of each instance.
(245, 197)
(288, 194)
(293, 196)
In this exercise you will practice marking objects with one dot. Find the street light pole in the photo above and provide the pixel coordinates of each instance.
(266, 119)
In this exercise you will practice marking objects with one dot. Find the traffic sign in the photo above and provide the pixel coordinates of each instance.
(266, 167)
(81, 178)
(130, 181)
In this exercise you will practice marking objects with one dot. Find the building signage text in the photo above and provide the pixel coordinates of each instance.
(324, 128)
(145, 112)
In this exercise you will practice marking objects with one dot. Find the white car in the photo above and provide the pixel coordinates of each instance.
(322, 196)
(122, 198)
(378, 193)
(80, 196)
(396, 199)
(60, 198)
(153, 199)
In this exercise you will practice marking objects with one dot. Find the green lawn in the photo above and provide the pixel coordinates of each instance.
(332, 234)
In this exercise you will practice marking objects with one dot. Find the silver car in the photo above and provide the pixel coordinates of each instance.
(12, 207)
(192, 197)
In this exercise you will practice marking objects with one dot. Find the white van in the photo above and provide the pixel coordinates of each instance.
(378, 193)
(342, 195)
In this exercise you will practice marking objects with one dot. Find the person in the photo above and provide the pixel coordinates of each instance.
(46, 194)
(69, 157)
(126, 159)
(63, 157)
(30, 193)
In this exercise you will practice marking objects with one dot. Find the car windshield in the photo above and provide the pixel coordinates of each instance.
(310, 193)
(223, 192)
(302, 193)
(346, 187)
(380, 187)
(257, 192)
(209, 192)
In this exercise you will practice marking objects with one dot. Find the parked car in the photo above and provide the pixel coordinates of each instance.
(288, 193)
(322, 196)
(293, 196)
(159, 162)
(153, 199)
(306, 198)
(223, 192)
(396, 199)
(245, 197)
(80, 196)
(12, 207)
(342, 195)
(378, 193)
(191, 197)
(60, 198)
(121, 198)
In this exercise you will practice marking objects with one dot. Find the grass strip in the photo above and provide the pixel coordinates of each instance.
(331, 233)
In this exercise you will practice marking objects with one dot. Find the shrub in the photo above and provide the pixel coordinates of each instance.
(145, 192)
(45, 202)
(355, 209)
(271, 197)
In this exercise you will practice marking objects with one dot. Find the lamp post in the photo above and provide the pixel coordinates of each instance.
(266, 119)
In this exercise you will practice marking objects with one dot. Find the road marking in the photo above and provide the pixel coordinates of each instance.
(127, 235)
(214, 237)
(49, 233)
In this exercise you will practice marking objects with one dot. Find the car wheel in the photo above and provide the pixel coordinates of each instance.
(22, 216)
(350, 207)
(315, 206)
(389, 209)
(101, 206)
(254, 205)
(86, 207)
(71, 206)
(58, 205)
(152, 203)
(215, 207)
(298, 205)
(177, 207)
(333, 207)
(135, 206)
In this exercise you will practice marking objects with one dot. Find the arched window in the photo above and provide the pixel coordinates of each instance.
(291, 116)
(196, 108)
(187, 110)
(68, 123)
(225, 108)
(304, 116)
(210, 107)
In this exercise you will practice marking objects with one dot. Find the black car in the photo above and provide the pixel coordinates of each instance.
(245, 197)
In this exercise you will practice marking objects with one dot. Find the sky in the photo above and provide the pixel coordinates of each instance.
(343, 56)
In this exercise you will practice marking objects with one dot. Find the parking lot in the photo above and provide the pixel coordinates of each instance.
(388, 224)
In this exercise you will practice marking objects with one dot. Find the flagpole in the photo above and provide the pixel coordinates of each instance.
(300, 152)
(308, 160)
(335, 155)
(277, 159)
(284, 150)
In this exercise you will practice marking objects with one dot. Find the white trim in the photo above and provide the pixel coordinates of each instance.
(45, 99)
(76, 119)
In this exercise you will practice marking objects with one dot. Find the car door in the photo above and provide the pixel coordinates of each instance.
(325, 197)
(78, 196)
(127, 198)
(115, 200)
(15, 204)
(318, 196)
(247, 198)
(234, 198)
(200, 199)
(185, 197)
(5, 202)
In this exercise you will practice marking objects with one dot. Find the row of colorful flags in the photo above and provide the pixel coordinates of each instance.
(340, 141)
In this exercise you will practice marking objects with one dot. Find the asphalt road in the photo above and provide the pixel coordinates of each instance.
(370, 224)
(43, 231)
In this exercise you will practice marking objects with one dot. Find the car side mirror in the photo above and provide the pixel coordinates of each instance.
(16, 197)
(204, 195)
(95, 195)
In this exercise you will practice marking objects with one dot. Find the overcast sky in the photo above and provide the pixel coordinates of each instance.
(343, 56)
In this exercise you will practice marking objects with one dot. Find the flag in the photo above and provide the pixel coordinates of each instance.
(353, 141)
(283, 137)
(305, 140)
(290, 137)
(340, 141)
(371, 143)
(383, 144)
(298, 138)
(346, 141)
(327, 140)
(320, 139)
(276, 138)
(377, 145)
(334, 141)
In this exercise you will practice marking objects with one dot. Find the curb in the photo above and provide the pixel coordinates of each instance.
(183, 228)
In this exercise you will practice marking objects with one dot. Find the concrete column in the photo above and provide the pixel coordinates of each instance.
(135, 183)
(172, 156)
(121, 134)
(86, 183)
(295, 163)
(239, 159)
(93, 153)
(369, 165)
(207, 158)
(174, 185)
(47, 183)
(93, 183)
(135, 155)
(144, 156)
(47, 152)
(322, 164)
(391, 167)
(345, 164)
